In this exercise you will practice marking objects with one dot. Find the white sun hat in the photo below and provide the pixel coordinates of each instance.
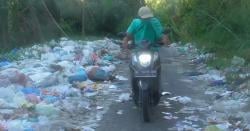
(145, 12)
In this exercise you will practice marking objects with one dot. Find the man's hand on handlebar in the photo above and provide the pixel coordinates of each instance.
(165, 40)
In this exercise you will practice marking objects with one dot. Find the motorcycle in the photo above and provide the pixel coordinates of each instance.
(145, 71)
(145, 68)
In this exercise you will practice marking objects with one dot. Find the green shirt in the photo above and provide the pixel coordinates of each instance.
(145, 29)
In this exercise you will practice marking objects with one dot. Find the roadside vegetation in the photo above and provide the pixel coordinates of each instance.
(221, 27)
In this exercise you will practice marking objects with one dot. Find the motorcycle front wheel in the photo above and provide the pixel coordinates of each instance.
(145, 103)
(145, 106)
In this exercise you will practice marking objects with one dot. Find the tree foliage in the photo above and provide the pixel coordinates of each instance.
(220, 26)
(29, 21)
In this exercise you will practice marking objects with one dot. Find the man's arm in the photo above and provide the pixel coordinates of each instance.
(125, 41)
(129, 34)
(165, 39)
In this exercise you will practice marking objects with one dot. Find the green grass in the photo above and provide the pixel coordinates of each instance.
(219, 63)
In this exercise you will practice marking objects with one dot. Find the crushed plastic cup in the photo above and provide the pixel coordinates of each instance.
(119, 112)
(124, 97)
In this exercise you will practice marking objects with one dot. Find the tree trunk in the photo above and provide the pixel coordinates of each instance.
(83, 19)
(36, 26)
(3, 24)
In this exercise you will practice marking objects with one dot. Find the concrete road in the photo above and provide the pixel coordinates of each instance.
(173, 66)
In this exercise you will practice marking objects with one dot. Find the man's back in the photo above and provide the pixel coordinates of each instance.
(145, 29)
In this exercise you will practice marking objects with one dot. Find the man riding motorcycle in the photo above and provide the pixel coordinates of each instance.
(145, 29)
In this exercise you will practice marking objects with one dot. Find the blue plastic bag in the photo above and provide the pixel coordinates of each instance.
(50, 99)
(31, 90)
(98, 74)
(79, 76)
(4, 63)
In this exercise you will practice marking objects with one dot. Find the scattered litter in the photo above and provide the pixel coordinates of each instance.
(120, 112)
(166, 93)
(112, 87)
(187, 110)
(166, 103)
(183, 100)
(52, 79)
(169, 116)
(186, 80)
(85, 128)
(229, 105)
(124, 97)
(183, 126)
(99, 107)
(237, 61)
(121, 78)
(192, 118)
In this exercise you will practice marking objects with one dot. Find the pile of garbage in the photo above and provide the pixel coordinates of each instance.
(227, 89)
(236, 76)
(37, 87)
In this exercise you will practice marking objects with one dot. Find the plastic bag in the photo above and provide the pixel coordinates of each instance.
(4, 82)
(7, 94)
(46, 110)
(31, 90)
(51, 80)
(79, 76)
(40, 76)
(32, 98)
(99, 74)
(15, 76)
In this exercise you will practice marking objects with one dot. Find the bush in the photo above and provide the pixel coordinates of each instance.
(220, 26)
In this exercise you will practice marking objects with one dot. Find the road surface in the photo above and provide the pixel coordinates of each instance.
(173, 81)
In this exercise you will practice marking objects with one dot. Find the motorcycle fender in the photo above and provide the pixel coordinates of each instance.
(143, 85)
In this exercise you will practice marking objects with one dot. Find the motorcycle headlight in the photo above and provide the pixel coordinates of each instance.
(145, 59)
